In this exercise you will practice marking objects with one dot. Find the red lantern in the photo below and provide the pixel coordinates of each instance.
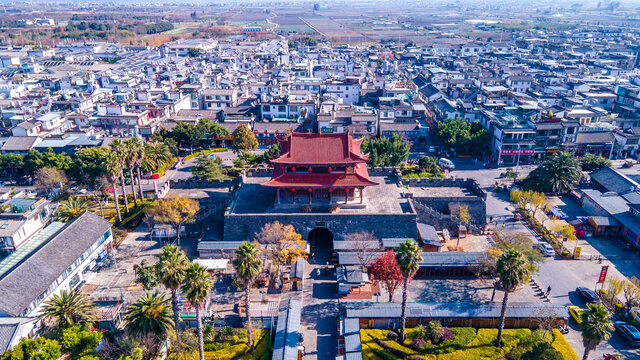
(330, 190)
(309, 169)
(293, 168)
(346, 190)
(329, 169)
(293, 190)
(309, 190)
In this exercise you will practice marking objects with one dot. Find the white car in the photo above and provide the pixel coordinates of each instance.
(546, 249)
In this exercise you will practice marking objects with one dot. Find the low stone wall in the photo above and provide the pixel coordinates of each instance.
(193, 183)
(470, 184)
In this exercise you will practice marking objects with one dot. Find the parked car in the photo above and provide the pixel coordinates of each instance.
(212, 156)
(588, 295)
(629, 332)
(446, 164)
(635, 313)
(576, 313)
(545, 249)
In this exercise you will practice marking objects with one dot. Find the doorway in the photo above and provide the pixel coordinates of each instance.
(321, 241)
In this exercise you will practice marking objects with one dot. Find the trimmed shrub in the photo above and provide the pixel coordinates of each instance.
(560, 343)
(383, 354)
(391, 349)
(418, 344)
(536, 223)
(603, 291)
(619, 307)
(516, 354)
(392, 335)
(565, 253)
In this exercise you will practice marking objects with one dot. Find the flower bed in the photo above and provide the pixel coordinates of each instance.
(467, 343)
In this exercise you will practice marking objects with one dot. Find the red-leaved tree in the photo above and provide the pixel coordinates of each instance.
(386, 270)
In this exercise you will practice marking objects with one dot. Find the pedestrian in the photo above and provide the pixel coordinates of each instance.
(548, 291)
(490, 219)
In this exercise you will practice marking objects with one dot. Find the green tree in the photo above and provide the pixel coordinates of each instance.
(247, 266)
(466, 138)
(272, 153)
(208, 168)
(12, 165)
(596, 327)
(173, 263)
(150, 314)
(392, 151)
(194, 52)
(89, 164)
(510, 173)
(69, 308)
(71, 208)
(80, 341)
(513, 270)
(590, 162)
(197, 287)
(147, 275)
(408, 259)
(429, 164)
(542, 351)
(244, 139)
(186, 135)
(558, 174)
(39, 348)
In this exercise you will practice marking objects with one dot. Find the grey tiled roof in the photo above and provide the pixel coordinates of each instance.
(19, 143)
(458, 310)
(285, 345)
(33, 275)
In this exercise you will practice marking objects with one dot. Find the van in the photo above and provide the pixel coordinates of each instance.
(446, 164)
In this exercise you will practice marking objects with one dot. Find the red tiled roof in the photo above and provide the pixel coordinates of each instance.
(319, 180)
(309, 149)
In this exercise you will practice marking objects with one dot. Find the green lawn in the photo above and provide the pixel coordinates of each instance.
(468, 344)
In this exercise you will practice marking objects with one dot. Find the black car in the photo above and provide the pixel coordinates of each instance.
(588, 295)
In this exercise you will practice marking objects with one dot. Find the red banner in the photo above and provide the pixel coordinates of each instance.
(517, 151)
(603, 274)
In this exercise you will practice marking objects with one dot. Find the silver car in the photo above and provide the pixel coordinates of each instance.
(546, 249)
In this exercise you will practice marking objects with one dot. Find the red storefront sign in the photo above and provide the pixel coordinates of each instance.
(603, 274)
(517, 151)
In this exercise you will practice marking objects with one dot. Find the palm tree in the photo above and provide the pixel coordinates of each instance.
(150, 314)
(132, 157)
(596, 327)
(247, 267)
(156, 154)
(557, 174)
(69, 308)
(120, 150)
(408, 258)
(173, 268)
(113, 170)
(196, 288)
(513, 270)
(71, 208)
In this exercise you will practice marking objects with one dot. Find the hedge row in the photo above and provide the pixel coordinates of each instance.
(203, 152)
(560, 343)
(376, 345)
(241, 351)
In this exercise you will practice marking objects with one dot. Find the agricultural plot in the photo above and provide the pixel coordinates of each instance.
(333, 30)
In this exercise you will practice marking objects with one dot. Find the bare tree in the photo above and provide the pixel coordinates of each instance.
(363, 244)
(547, 321)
